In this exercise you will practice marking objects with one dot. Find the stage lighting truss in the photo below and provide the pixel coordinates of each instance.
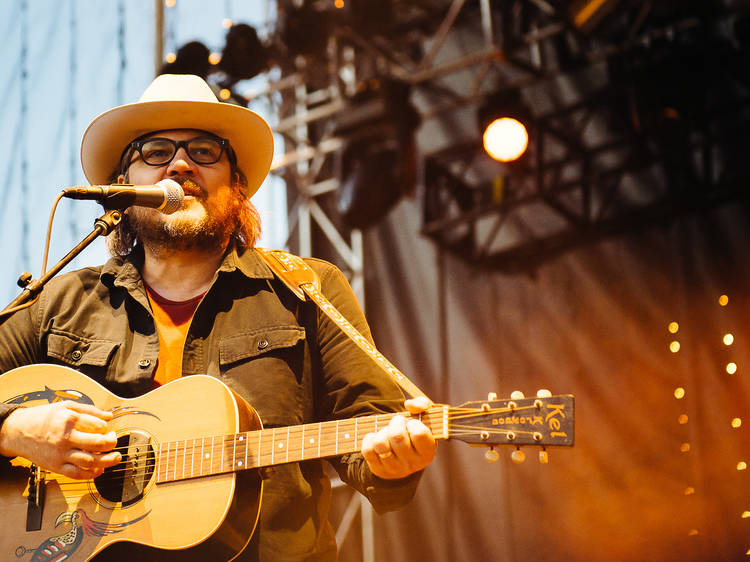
(589, 171)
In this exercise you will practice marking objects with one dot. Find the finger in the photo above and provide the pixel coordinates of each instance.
(88, 409)
(398, 437)
(77, 473)
(89, 423)
(93, 461)
(94, 442)
(418, 405)
(368, 449)
(422, 440)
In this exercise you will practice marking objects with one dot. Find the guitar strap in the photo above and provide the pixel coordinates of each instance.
(304, 283)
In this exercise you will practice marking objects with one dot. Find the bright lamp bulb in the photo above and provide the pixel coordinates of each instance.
(505, 139)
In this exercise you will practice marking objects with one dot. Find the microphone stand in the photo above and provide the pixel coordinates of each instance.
(102, 227)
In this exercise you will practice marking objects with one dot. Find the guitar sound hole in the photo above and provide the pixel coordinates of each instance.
(126, 482)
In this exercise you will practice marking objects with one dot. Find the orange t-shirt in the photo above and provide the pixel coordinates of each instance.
(172, 322)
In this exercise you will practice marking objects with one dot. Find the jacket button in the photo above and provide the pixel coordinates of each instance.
(144, 363)
(76, 355)
(262, 344)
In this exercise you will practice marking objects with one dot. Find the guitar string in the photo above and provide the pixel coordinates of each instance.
(182, 452)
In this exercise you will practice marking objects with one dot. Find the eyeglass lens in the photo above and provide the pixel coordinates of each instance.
(202, 150)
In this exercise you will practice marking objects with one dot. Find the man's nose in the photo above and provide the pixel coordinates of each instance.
(181, 163)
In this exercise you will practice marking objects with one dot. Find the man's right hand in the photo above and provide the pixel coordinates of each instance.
(66, 437)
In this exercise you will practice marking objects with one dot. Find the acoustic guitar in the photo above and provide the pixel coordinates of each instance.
(192, 452)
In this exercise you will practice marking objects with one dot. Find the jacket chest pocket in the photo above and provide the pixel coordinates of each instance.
(268, 368)
(258, 343)
(75, 351)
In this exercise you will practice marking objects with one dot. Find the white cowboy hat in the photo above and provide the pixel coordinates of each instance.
(177, 101)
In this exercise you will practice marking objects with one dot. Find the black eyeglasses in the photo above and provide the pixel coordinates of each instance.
(159, 151)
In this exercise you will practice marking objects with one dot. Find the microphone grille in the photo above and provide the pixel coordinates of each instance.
(174, 196)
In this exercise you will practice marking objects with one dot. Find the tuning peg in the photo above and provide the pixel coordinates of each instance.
(517, 395)
(491, 455)
(491, 396)
(543, 457)
(518, 456)
(543, 393)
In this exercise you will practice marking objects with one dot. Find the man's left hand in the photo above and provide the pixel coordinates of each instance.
(403, 447)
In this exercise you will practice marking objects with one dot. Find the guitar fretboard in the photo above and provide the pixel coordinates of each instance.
(205, 456)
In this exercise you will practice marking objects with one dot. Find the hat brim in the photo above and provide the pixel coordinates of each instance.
(109, 133)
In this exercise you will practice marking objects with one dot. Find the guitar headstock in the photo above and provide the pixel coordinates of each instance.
(544, 420)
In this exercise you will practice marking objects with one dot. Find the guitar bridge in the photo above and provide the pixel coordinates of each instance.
(35, 500)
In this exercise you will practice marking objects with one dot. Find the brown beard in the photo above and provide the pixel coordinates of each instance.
(158, 233)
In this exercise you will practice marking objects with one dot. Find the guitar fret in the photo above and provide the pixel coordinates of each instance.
(337, 436)
(246, 448)
(302, 452)
(192, 459)
(273, 442)
(287, 443)
(320, 426)
(184, 455)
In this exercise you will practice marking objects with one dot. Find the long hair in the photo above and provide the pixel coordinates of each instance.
(123, 240)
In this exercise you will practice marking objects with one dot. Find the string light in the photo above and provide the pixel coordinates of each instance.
(736, 422)
(692, 532)
(742, 465)
(745, 514)
(723, 300)
(679, 393)
(225, 94)
(689, 491)
(226, 23)
(728, 339)
(170, 57)
(339, 3)
(674, 346)
(682, 419)
(685, 448)
(731, 368)
(170, 3)
(673, 327)
(214, 58)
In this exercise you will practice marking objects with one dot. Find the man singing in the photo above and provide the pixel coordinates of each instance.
(186, 294)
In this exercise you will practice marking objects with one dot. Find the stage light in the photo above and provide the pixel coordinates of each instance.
(505, 139)
(191, 58)
(243, 56)
(503, 120)
(380, 162)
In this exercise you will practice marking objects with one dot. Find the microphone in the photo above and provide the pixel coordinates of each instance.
(166, 196)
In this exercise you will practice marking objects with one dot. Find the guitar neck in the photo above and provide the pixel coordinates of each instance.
(206, 456)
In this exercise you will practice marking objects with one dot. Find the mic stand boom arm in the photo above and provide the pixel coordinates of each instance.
(102, 227)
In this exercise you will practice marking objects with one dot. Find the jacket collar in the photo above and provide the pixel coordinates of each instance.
(125, 272)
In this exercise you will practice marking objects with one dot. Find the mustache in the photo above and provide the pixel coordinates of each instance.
(189, 186)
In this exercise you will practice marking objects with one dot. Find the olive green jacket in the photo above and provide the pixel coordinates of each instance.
(283, 356)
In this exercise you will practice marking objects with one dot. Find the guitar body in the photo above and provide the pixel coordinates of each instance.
(206, 518)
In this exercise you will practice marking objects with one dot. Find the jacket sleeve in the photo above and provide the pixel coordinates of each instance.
(354, 385)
